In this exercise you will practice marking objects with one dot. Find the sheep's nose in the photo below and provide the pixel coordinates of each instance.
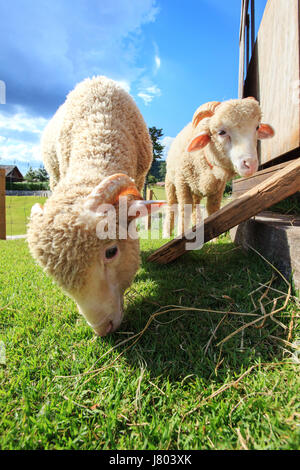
(249, 166)
(103, 331)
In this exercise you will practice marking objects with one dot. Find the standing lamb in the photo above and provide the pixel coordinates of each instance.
(220, 141)
(96, 148)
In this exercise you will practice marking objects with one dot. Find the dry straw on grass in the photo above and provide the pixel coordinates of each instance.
(257, 322)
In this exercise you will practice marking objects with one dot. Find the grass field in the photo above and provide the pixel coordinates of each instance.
(17, 213)
(181, 377)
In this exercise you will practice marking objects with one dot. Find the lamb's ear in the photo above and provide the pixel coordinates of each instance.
(199, 142)
(138, 209)
(36, 209)
(265, 131)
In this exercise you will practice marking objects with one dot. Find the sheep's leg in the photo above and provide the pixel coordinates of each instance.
(213, 203)
(196, 216)
(185, 201)
(172, 199)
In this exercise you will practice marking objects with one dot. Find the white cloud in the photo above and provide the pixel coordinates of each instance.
(148, 93)
(124, 84)
(22, 122)
(76, 38)
(21, 151)
(157, 59)
(13, 146)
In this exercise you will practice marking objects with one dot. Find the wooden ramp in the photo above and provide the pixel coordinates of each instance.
(283, 184)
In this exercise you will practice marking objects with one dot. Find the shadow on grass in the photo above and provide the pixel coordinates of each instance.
(179, 343)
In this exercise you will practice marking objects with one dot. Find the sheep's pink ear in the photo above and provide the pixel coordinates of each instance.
(36, 209)
(199, 142)
(265, 131)
(143, 208)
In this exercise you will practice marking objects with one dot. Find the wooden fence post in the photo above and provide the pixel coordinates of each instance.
(2, 206)
(149, 197)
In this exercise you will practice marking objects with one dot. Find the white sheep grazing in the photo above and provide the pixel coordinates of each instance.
(96, 148)
(220, 141)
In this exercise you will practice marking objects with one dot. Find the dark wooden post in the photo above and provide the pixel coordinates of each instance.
(2, 206)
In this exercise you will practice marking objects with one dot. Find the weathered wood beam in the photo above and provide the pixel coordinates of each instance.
(281, 185)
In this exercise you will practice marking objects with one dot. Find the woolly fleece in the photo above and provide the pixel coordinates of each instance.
(96, 133)
(193, 175)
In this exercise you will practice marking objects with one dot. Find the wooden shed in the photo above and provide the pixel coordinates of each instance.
(270, 71)
(12, 173)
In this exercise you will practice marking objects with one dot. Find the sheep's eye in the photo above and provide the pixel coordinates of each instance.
(222, 133)
(257, 128)
(111, 252)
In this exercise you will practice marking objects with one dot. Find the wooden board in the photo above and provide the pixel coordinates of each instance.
(2, 205)
(242, 185)
(273, 76)
(281, 185)
(244, 9)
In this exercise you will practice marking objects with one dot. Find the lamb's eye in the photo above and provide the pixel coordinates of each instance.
(111, 252)
(257, 128)
(222, 133)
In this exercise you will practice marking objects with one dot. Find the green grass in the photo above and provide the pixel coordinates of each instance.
(173, 387)
(158, 192)
(290, 205)
(17, 213)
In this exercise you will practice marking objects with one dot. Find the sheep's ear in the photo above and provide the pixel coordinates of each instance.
(199, 142)
(265, 131)
(36, 209)
(138, 209)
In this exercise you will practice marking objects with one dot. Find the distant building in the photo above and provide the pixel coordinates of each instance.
(12, 173)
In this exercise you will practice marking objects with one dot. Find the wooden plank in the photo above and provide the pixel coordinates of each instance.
(282, 184)
(273, 76)
(2, 206)
(252, 14)
(244, 10)
(242, 185)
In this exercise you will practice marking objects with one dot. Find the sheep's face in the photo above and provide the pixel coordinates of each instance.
(100, 298)
(91, 247)
(234, 128)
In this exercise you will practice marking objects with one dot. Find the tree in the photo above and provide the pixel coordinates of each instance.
(158, 148)
(30, 175)
(155, 135)
(162, 170)
(41, 174)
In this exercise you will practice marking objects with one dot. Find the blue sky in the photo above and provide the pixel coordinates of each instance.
(171, 55)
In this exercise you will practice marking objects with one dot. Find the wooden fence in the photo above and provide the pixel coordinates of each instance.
(2, 206)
